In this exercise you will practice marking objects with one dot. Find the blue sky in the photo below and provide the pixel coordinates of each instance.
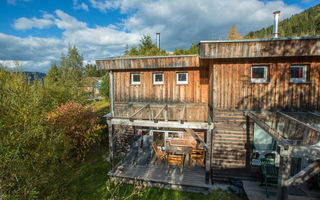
(36, 32)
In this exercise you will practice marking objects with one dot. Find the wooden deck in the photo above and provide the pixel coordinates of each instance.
(256, 192)
(190, 179)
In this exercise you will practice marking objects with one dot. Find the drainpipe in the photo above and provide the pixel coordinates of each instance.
(111, 93)
(276, 24)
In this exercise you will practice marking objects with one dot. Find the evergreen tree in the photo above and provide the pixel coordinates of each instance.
(192, 50)
(233, 34)
(72, 66)
(126, 51)
(104, 88)
(146, 48)
(91, 70)
(133, 51)
(53, 73)
(304, 24)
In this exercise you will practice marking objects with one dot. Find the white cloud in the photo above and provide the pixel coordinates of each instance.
(36, 54)
(180, 23)
(78, 6)
(33, 53)
(105, 5)
(183, 21)
(25, 23)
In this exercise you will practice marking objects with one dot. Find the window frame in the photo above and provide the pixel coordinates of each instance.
(154, 82)
(132, 82)
(304, 74)
(260, 80)
(181, 82)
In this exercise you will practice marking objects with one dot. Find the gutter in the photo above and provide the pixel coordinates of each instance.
(111, 93)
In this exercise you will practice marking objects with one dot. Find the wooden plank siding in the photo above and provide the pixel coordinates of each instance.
(309, 46)
(232, 88)
(152, 62)
(196, 91)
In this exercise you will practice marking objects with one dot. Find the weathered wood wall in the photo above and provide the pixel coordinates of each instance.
(232, 88)
(260, 48)
(153, 62)
(196, 91)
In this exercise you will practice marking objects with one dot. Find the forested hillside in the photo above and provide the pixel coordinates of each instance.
(306, 23)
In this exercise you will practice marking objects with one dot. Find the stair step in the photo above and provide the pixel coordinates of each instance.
(229, 120)
(229, 113)
(228, 150)
(229, 156)
(230, 131)
(229, 127)
(229, 117)
(229, 146)
(223, 164)
(229, 142)
(231, 139)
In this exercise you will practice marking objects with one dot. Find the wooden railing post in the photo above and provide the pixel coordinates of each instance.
(208, 155)
(111, 145)
(283, 176)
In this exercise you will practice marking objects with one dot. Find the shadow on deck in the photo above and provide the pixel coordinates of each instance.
(191, 179)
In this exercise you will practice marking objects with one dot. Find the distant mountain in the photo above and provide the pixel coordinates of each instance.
(306, 23)
(35, 75)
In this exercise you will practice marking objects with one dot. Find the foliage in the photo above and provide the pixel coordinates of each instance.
(78, 123)
(35, 157)
(92, 71)
(146, 48)
(233, 34)
(66, 81)
(304, 24)
(192, 50)
(30, 158)
(104, 88)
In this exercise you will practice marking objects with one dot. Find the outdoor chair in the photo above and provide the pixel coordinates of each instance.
(269, 172)
(132, 153)
(144, 154)
(160, 155)
(197, 155)
(176, 160)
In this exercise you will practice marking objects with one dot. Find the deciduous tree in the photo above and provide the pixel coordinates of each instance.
(233, 34)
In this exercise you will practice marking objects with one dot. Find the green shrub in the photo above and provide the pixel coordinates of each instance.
(78, 123)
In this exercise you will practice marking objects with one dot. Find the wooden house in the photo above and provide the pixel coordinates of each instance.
(237, 100)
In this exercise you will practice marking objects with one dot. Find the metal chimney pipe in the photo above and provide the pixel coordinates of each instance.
(276, 24)
(158, 39)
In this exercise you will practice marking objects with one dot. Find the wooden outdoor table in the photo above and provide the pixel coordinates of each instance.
(174, 150)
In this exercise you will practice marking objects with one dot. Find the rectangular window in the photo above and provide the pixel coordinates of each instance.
(158, 78)
(135, 79)
(182, 78)
(259, 74)
(298, 73)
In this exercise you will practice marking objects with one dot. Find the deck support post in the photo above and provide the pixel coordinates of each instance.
(208, 155)
(111, 145)
(283, 176)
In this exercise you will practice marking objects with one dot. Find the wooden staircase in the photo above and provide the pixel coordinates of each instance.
(229, 140)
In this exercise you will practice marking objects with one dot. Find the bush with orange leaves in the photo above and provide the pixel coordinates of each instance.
(79, 124)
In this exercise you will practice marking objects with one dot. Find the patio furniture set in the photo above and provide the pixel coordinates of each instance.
(175, 155)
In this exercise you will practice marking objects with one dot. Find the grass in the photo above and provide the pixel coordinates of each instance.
(90, 181)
